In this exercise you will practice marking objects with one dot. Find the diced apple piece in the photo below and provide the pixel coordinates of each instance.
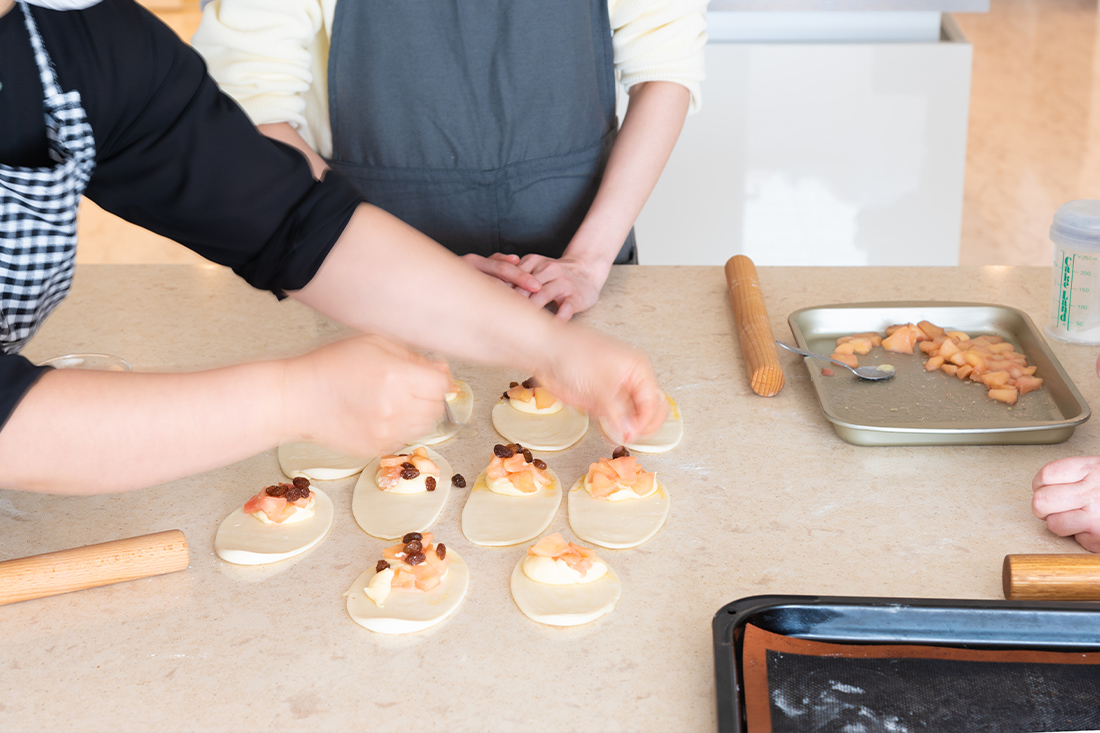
(1030, 370)
(1008, 395)
(844, 340)
(933, 364)
(875, 338)
(846, 348)
(1028, 384)
(930, 328)
(644, 483)
(1002, 347)
(958, 359)
(917, 334)
(520, 394)
(523, 482)
(964, 371)
(848, 359)
(950, 369)
(900, 342)
(948, 349)
(862, 345)
(543, 398)
(625, 467)
(995, 380)
(929, 347)
(957, 335)
(891, 330)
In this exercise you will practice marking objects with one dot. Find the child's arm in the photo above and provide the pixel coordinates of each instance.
(1067, 496)
(649, 132)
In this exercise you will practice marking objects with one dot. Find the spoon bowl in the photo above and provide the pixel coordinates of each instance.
(872, 373)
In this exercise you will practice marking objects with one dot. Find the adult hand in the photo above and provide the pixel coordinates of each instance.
(364, 395)
(605, 377)
(574, 285)
(506, 269)
(1067, 496)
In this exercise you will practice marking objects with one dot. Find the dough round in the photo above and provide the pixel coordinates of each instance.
(317, 462)
(498, 520)
(462, 407)
(556, 431)
(407, 610)
(617, 524)
(244, 540)
(665, 438)
(389, 516)
(564, 605)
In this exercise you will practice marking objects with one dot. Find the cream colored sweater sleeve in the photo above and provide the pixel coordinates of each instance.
(271, 56)
(660, 40)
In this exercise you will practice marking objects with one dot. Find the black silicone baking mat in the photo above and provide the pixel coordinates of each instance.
(907, 664)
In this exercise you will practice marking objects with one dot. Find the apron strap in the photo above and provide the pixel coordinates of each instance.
(41, 58)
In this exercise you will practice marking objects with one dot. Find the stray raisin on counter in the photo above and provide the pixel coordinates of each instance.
(459, 480)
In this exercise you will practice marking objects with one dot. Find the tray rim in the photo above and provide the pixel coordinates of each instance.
(924, 435)
(736, 613)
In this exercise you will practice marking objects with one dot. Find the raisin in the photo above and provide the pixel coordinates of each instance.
(301, 482)
(412, 536)
(459, 480)
(441, 551)
(502, 451)
(413, 546)
(516, 447)
(504, 396)
(530, 383)
(406, 464)
(277, 490)
(512, 385)
(415, 558)
(293, 494)
(539, 464)
(619, 452)
(429, 483)
(527, 455)
(409, 473)
(382, 565)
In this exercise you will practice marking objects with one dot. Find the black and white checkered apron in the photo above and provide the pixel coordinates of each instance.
(38, 211)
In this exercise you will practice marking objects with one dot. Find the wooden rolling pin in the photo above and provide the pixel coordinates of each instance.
(94, 565)
(753, 327)
(1051, 577)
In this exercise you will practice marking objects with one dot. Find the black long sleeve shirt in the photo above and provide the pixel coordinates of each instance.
(173, 154)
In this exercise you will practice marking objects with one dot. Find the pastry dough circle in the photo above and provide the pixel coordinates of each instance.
(462, 407)
(407, 610)
(497, 520)
(318, 462)
(564, 605)
(617, 525)
(556, 431)
(389, 516)
(243, 540)
(664, 439)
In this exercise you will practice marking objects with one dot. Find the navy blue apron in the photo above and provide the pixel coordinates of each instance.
(485, 124)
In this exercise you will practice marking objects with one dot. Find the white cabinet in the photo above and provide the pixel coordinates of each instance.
(834, 152)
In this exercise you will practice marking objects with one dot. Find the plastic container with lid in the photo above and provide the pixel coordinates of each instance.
(1075, 275)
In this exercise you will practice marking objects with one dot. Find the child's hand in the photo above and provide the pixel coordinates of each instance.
(1067, 496)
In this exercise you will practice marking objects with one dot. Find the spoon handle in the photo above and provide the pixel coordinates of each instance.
(815, 356)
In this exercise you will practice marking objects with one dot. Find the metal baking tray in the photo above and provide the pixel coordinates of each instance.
(929, 408)
(1045, 626)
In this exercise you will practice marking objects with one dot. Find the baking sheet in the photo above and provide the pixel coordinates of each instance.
(961, 624)
(932, 408)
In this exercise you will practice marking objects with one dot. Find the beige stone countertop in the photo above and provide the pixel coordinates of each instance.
(765, 500)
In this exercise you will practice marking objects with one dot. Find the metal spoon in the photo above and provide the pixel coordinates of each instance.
(882, 371)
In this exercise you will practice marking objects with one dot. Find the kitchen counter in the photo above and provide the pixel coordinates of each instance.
(765, 499)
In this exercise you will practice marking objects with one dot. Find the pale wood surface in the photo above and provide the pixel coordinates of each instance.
(753, 328)
(80, 568)
(1052, 577)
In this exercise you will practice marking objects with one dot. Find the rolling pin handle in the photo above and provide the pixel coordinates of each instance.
(1074, 577)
